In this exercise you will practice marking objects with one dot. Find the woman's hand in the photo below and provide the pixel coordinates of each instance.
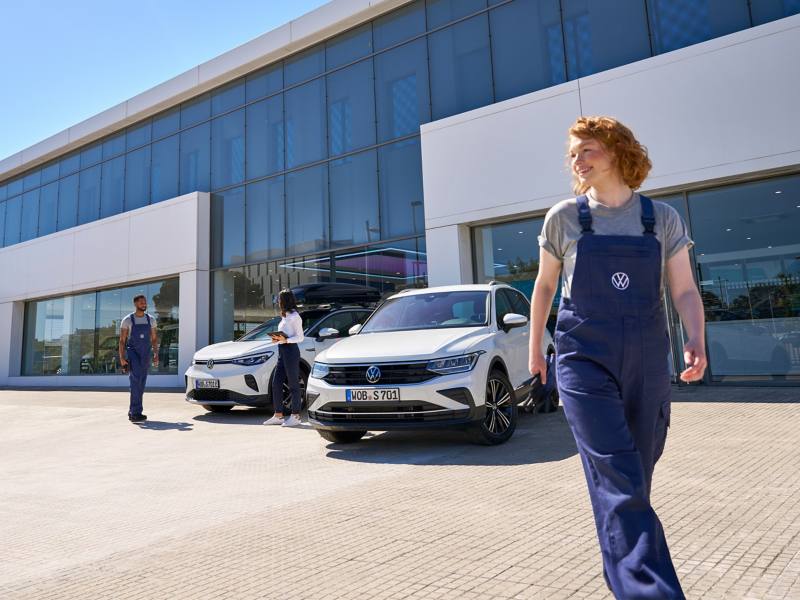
(537, 365)
(694, 355)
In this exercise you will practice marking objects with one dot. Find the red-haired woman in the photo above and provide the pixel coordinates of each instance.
(615, 251)
(288, 367)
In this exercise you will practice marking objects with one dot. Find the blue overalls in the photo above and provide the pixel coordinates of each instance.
(137, 348)
(612, 350)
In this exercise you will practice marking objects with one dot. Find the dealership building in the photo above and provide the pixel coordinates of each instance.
(406, 144)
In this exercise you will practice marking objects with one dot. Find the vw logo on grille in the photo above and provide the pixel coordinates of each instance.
(210, 363)
(620, 281)
(373, 374)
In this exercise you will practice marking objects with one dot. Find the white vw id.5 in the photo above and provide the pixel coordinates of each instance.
(453, 357)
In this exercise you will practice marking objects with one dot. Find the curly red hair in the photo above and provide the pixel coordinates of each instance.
(630, 157)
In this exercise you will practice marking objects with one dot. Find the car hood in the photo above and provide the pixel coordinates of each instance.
(226, 350)
(397, 346)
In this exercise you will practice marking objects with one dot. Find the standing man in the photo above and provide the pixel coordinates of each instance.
(139, 329)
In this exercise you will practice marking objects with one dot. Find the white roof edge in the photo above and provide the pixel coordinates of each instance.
(311, 28)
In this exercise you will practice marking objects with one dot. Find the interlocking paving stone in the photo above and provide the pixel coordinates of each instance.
(197, 505)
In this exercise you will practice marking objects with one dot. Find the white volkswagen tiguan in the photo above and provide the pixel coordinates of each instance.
(453, 357)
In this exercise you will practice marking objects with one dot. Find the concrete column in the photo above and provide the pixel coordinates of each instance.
(194, 303)
(449, 255)
(12, 317)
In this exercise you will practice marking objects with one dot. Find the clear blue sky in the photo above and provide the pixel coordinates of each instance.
(62, 62)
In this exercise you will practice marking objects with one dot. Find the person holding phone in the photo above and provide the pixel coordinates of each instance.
(615, 251)
(289, 334)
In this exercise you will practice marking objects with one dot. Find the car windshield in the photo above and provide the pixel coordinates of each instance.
(262, 331)
(437, 310)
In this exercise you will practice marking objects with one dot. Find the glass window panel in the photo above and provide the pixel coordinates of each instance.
(15, 186)
(304, 65)
(91, 154)
(306, 132)
(263, 284)
(29, 225)
(766, 11)
(137, 178)
(399, 25)
(32, 180)
(69, 164)
(112, 199)
(349, 46)
(48, 208)
(164, 169)
(400, 180)
(442, 12)
(402, 90)
(13, 220)
(163, 304)
(167, 122)
(139, 134)
(307, 210)
(351, 108)
(227, 304)
(527, 47)
(603, 34)
(264, 135)
(354, 200)
(89, 195)
(2, 222)
(677, 203)
(196, 110)
(33, 337)
(227, 150)
(113, 145)
(80, 350)
(112, 307)
(3, 192)
(227, 97)
(461, 67)
(50, 171)
(227, 226)
(389, 267)
(680, 23)
(68, 202)
(195, 159)
(265, 233)
(268, 80)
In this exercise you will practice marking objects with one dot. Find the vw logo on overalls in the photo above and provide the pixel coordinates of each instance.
(141, 335)
(373, 374)
(620, 281)
(210, 363)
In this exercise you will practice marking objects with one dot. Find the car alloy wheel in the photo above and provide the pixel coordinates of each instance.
(287, 395)
(499, 413)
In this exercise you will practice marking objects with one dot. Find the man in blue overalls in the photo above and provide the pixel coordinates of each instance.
(615, 251)
(137, 333)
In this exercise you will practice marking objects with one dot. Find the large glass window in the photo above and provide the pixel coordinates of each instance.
(138, 135)
(265, 138)
(264, 82)
(29, 225)
(227, 97)
(2, 222)
(227, 150)
(307, 210)
(48, 208)
(69, 164)
(195, 159)
(227, 225)
(166, 122)
(91, 154)
(68, 202)
(164, 169)
(114, 145)
(195, 111)
(306, 131)
(89, 195)
(442, 12)
(354, 200)
(15, 186)
(304, 65)
(32, 180)
(399, 25)
(350, 46)
(112, 199)
(265, 235)
(50, 171)
(765, 11)
(351, 109)
(137, 178)
(400, 180)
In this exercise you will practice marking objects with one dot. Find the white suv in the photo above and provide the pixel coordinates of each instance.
(453, 357)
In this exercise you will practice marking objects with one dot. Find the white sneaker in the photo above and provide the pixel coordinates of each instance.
(292, 422)
(276, 420)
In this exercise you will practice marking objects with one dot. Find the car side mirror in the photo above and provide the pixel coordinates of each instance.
(354, 329)
(512, 321)
(327, 333)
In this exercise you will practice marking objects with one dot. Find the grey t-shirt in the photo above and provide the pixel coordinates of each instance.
(126, 322)
(561, 232)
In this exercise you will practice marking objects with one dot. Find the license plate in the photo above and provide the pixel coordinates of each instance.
(372, 395)
(208, 383)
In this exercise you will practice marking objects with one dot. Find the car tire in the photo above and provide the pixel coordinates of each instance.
(217, 409)
(341, 437)
(287, 394)
(501, 412)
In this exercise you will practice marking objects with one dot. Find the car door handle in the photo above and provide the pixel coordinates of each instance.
(309, 349)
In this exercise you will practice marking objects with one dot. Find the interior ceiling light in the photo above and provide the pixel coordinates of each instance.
(727, 230)
(778, 192)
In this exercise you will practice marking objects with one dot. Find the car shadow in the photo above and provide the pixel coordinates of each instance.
(252, 416)
(538, 438)
(165, 426)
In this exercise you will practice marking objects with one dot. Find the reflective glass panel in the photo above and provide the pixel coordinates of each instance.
(3, 192)
(78, 355)
(264, 137)
(138, 135)
(765, 11)
(264, 82)
(389, 267)
(15, 186)
(2, 222)
(167, 122)
(196, 110)
(164, 169)
(263, 284)
(50, 171)
(304, 65)
(89, 195)
(113, 145)
(442, 12)
(29, 225)
(163, 303)
(227, 225)
(48, 208)
(399, 25)
(13, 220)
(527, 47)
(400, 181)
(112, 199)
(748, 259)
(403, 97)
(306, 131)
(354, 199)
(227, 304)
(91, 154)
(195, 159)
(43, 337)
(137, 178)
(68, 202)
(680, 23)
(108, 317)
(307, 210)
(265, 234)
(69, 164)
(351, 108)
(461, 67)
(227, 150)
(32, 180)
(227, 97)
(349, 46)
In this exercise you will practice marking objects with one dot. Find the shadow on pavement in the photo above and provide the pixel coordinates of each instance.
(166, 426)
(253, 416)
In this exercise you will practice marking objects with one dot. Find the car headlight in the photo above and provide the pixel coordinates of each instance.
(249, 361)
(320, 370)
(454, 364)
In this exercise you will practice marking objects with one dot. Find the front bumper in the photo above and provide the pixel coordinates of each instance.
(238, 385)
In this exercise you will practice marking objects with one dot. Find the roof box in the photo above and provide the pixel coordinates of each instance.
(330, 293)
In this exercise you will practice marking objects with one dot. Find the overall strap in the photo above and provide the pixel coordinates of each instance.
(648, 215)
(584, 214)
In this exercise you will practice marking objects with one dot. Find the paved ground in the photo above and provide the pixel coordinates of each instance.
(215, 506)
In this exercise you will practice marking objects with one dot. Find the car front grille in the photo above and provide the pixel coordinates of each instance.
(418, 412)
(391, 374)
(210, 395)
